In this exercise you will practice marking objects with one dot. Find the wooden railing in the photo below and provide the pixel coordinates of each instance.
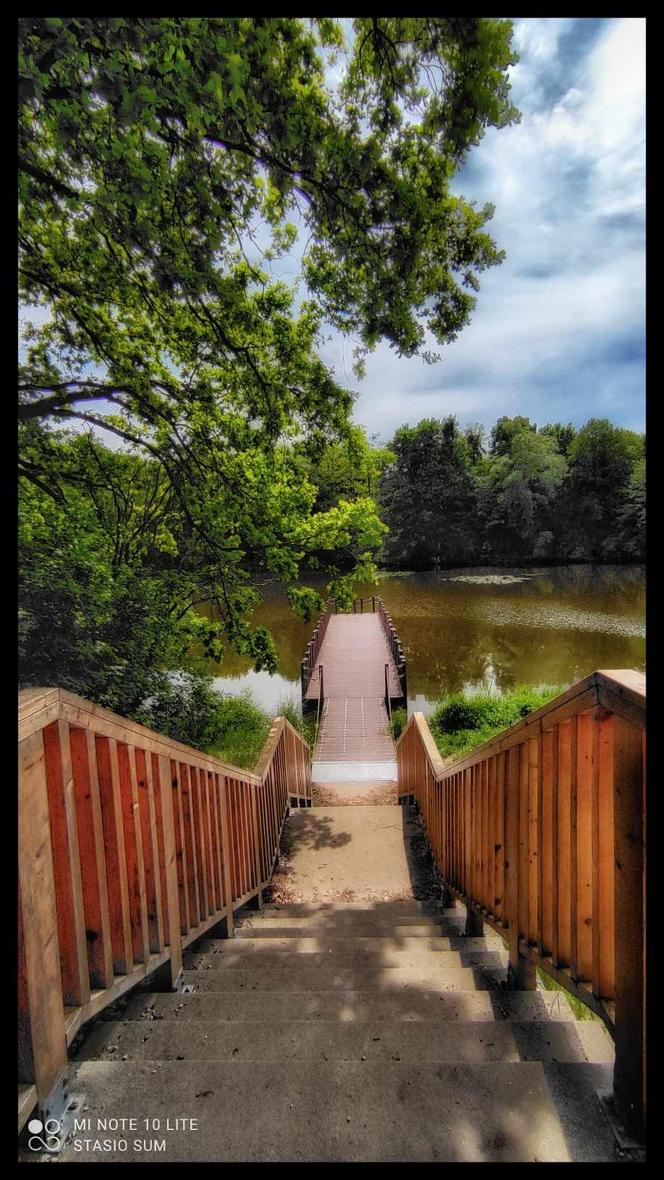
(308, 663)
(541, 832)
(395, 647)
(131, 846)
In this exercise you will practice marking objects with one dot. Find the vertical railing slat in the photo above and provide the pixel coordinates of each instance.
(66, 864)
(226, 852)
(134, 854)
(629, 903)
(93, 862)
(158, 792)
(584, 869)
(166, 796)
(150, 848)
(606, 836)
(114, 852)
(188, 841)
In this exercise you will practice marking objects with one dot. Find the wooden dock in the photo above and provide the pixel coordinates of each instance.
(353, 675)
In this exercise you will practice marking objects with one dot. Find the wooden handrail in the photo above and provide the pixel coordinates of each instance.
(131, 847)
(308, 662)
(395, 647)
(541, 832)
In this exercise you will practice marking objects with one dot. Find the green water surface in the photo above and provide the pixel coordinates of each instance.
(478, 628)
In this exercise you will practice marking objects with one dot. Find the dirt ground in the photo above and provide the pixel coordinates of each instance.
(354, 794)
(369, 853)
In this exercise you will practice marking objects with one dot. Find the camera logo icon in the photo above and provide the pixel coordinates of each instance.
(50, 1131)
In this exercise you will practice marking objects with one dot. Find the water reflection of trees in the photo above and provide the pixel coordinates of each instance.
(448, 660)
(460, 633)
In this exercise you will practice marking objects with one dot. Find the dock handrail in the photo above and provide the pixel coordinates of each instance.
(540, 831)
(131, 846)
(395, 646)
(308, 663)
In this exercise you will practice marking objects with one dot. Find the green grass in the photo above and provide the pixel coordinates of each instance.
(399, 722)
(241, 731)
(304, 725)
(461, 721)
(242, 728)
(580, 1010)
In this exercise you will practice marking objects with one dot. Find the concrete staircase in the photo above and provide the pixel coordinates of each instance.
(352, 1031)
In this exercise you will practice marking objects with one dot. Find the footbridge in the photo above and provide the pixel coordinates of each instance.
(353, 674)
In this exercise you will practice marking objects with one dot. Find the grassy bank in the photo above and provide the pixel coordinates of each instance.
(245, 728)
(189, 709)
(461, 721)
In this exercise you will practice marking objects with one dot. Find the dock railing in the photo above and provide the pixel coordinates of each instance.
(395, 647)
(375, 605)
(131, 846)
(541, 833)
(308, 662)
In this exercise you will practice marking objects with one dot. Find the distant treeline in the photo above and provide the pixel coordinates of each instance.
(526, 493)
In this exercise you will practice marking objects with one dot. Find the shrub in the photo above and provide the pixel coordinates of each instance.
(188, 708)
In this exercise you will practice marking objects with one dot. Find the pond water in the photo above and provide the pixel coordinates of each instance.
(470, 629)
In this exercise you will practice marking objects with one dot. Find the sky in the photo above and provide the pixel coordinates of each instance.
(558, 330)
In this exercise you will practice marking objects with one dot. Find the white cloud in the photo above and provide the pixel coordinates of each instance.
(568, 184)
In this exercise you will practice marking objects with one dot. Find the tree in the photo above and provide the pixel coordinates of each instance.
(631, 515)
(504, 431)
(428, 497)
(347, 469)
(151, 152)
(520, 482)
(603, 458)
(563, 435)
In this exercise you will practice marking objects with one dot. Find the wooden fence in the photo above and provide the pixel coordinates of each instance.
(131, 846)
(541, 832)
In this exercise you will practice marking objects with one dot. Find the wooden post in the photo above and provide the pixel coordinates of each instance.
(256, 843)
(42, 1040)
(66, 865)
(226, 853)
(521, 971)
(165, 802)
(474, 923)
(629, 899)
(373, 603)
(321, 692)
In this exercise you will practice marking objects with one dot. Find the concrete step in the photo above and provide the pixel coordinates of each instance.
(367, 1040)
(413, 1004)
(268, 960)
(358, 928)
(344, 1111)
(324, 943)
(304, 975)
(322, 909)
